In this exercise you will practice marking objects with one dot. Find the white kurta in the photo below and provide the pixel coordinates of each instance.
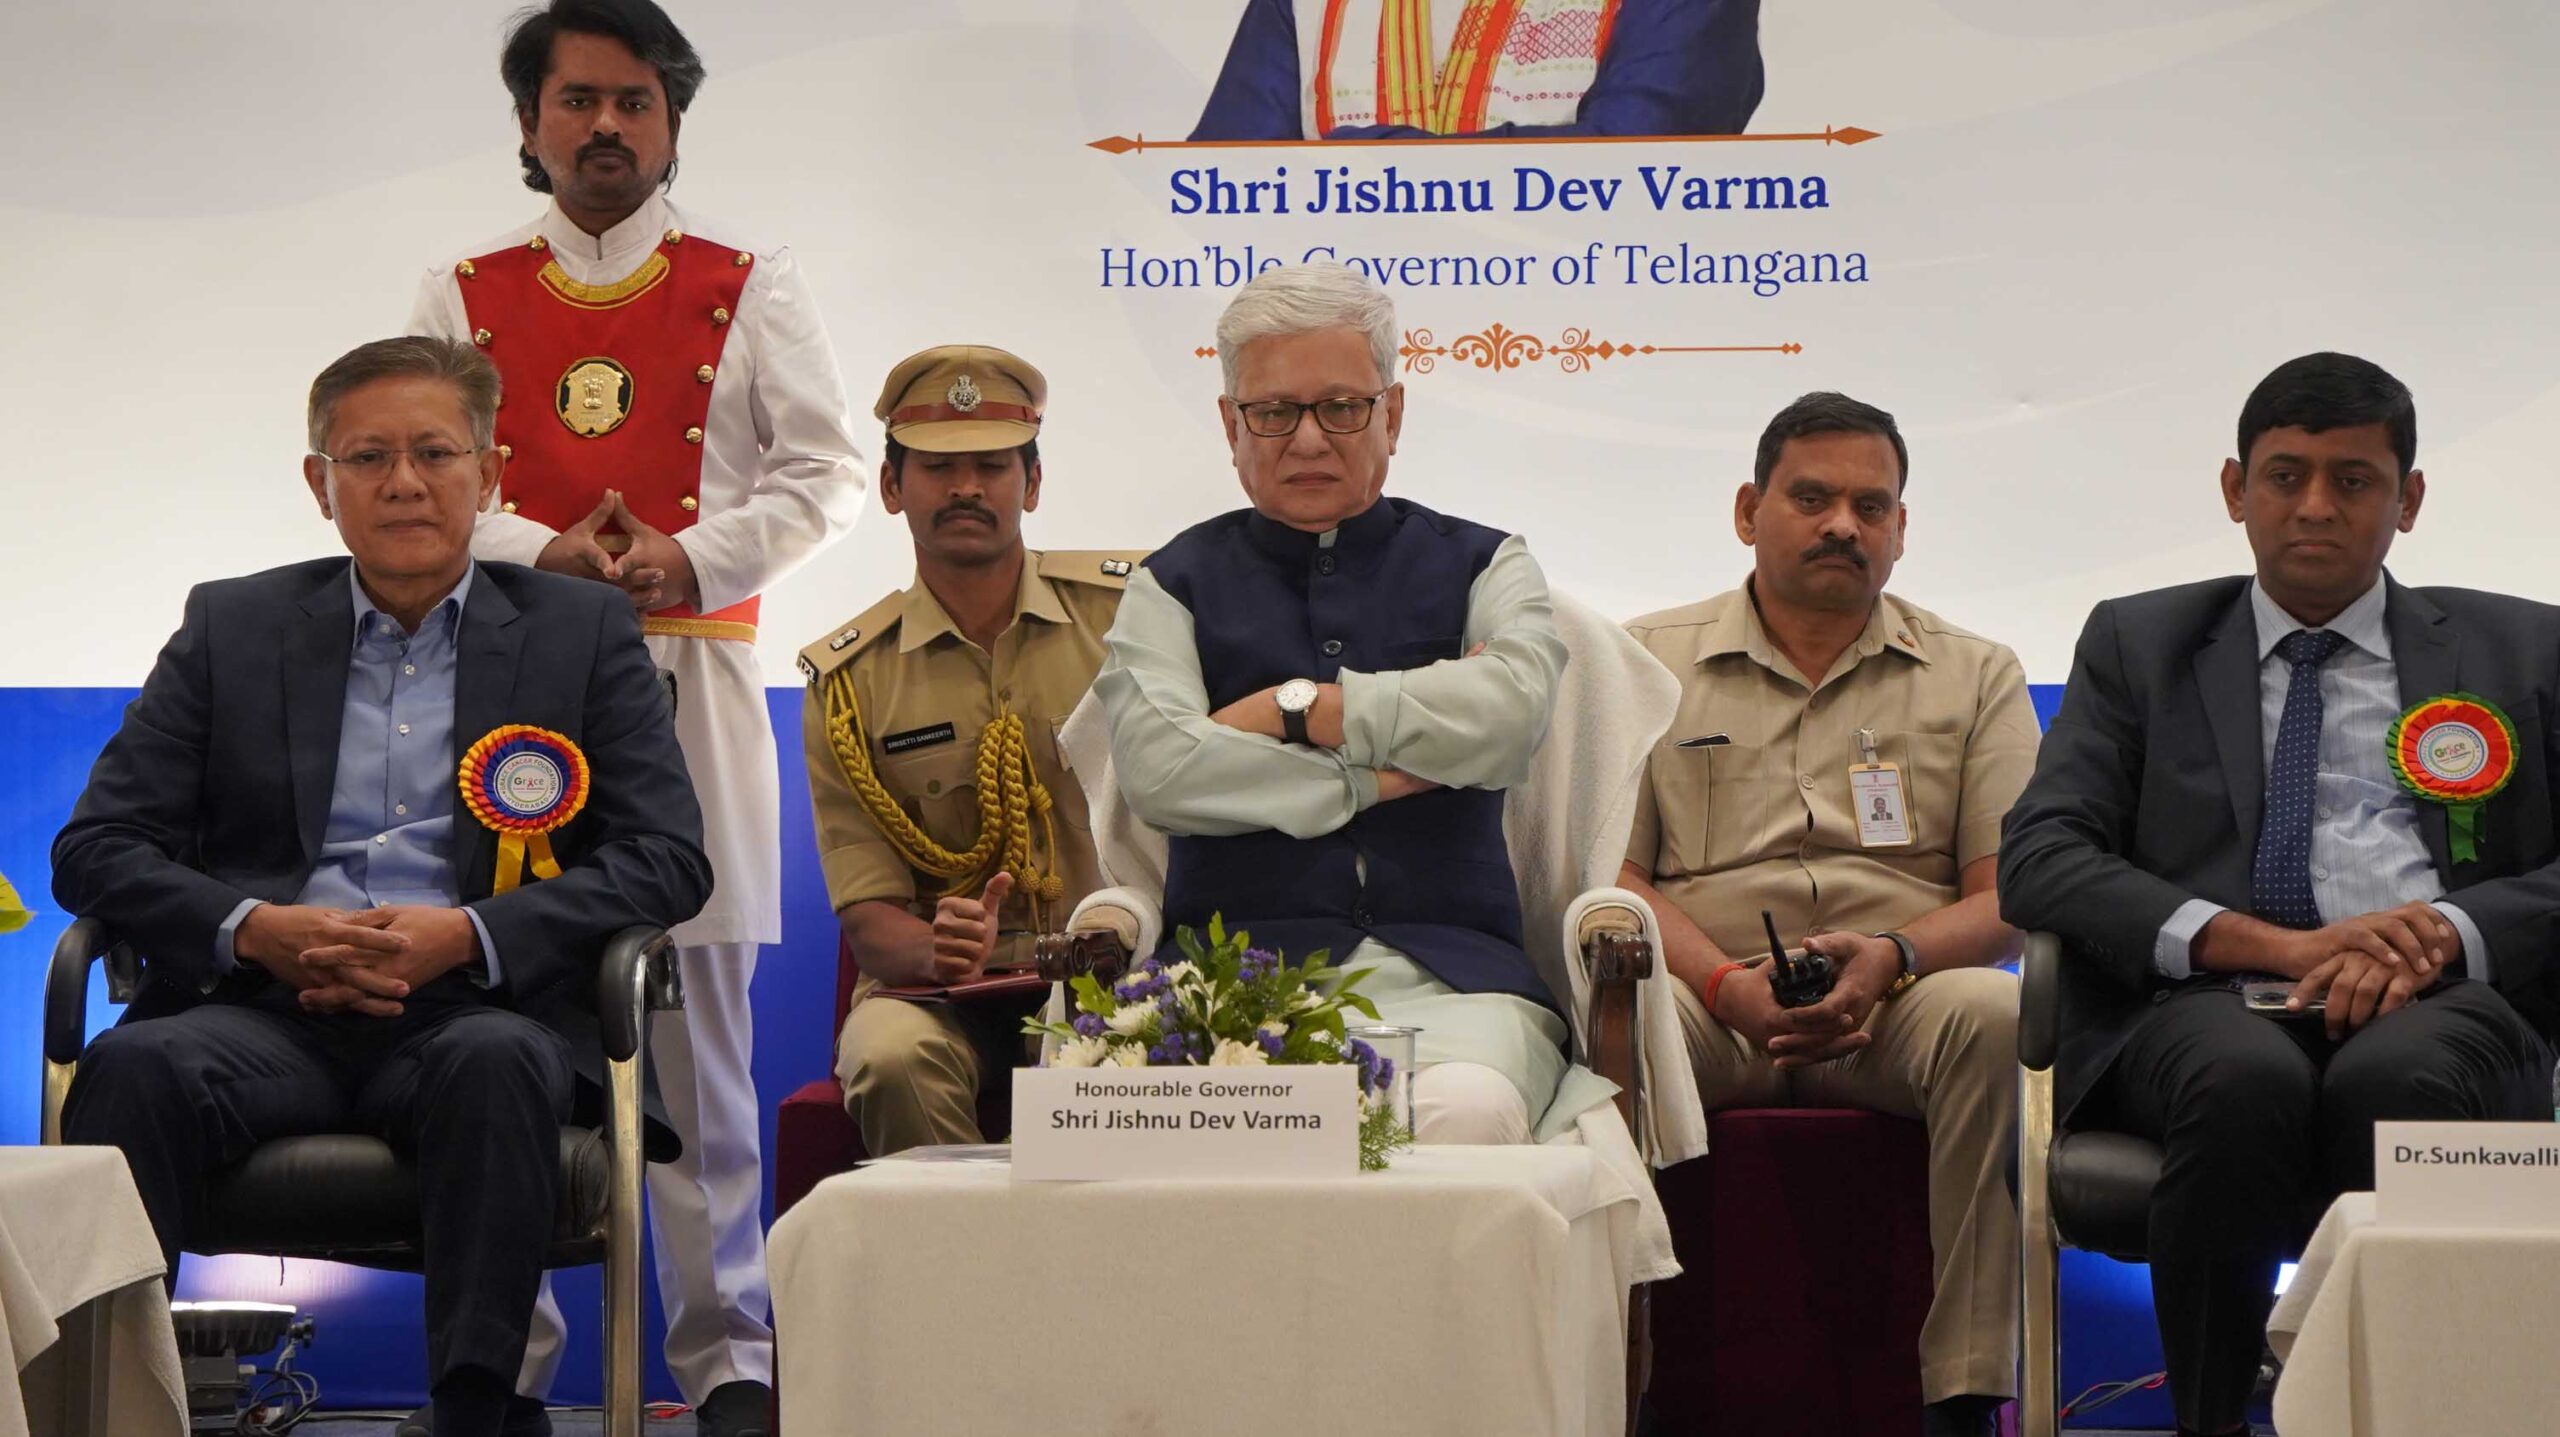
(781, 479)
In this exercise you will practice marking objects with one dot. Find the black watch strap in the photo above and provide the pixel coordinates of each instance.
(1294, 725)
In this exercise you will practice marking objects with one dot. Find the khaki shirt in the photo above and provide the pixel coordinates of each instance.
(926, 693)
(1763, 821)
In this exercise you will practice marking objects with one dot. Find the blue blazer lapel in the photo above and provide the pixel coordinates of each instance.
(484, 688)
(318, 646)
(2427, 655)
(2227, 681)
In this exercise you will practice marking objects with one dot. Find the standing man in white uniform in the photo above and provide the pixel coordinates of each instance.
(675, 426)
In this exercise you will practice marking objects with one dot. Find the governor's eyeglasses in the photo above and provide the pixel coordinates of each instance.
(1278, 418)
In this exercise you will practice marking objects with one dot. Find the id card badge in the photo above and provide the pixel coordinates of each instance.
(1876, 799)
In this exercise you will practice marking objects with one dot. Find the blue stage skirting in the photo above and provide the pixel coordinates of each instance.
(370, 1351)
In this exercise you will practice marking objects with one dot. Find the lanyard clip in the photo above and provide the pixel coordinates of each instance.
(1867, 747)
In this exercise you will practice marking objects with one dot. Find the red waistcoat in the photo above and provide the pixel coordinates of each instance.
(608, 387)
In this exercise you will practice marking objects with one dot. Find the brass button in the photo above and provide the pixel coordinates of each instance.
(675, 236)
(744, 259)
(506, 451)
(693, 435)
(688, 503)
(481, 337)
(703, 374)
(508, 507)
(537, 242)
(464, 269)
(933, 785)
(719, 316)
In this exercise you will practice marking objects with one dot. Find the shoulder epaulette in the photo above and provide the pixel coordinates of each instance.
(837, 649)
(1103, 568)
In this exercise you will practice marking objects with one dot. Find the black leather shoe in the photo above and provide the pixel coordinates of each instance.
(525, 1418)
(736, 1409)
(1962, 1417)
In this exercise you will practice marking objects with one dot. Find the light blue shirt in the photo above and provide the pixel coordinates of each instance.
(390, 834)
(2367, 852)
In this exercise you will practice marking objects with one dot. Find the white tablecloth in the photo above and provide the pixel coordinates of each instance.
(2400, 1332)
(1475, 1291)
(73, 1229)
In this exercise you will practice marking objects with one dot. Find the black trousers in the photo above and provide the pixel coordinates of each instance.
(2263, 1123)
(473, 1095)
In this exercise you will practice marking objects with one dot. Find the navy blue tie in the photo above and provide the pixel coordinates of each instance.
(2280, 879)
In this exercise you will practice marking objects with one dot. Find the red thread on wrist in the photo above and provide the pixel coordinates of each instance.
(1715, 980)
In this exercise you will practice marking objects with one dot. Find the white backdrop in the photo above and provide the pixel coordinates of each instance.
(2089, 228)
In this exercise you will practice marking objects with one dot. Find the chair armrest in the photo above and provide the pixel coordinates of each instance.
(1108, 931)
(636, 977)
(1617, 957)
(66, 985)
(2039, 1001)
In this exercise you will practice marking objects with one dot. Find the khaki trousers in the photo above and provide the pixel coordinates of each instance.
(911, 1070)
(1946, 1051)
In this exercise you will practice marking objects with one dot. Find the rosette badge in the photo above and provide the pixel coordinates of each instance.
(524, 783)
(2457, 750)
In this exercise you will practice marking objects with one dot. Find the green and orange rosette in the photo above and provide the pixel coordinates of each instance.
(2457, 750)
(524, 783)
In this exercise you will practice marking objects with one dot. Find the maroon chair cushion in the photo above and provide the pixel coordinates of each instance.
(814, 1139)
(1804, 1239)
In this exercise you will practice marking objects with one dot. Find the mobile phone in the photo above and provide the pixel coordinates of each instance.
(2269, 998)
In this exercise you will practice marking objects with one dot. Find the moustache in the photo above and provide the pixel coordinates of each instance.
(1835, 548)
(948, 512)
(600, 146)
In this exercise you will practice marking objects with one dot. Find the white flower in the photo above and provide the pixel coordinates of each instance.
(1232, 1054)
(1306, 1000)
(1128, 1055)
(1131, 1020)
(1275, 1028)
(1181, 973)
(1080, 1052)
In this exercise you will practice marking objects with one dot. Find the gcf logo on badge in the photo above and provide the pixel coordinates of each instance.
(523, 783)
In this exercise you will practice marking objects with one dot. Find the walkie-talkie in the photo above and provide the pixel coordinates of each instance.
(1798, 982)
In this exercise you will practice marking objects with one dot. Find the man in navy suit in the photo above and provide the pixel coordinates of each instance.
(277, 827)
(2218, 802)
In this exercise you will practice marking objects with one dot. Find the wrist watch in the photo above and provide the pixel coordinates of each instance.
(1295, 698)
(1910, 973)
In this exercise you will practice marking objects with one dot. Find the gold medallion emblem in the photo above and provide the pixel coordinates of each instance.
(594, 397)
(964, 394)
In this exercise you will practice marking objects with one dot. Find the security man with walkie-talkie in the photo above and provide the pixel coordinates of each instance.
(1841, 761)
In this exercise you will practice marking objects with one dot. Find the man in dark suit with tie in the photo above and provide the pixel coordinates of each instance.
(278, 828)
(2217, 802)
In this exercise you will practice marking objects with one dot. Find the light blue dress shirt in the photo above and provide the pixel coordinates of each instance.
(390, 834)
(2367, 852)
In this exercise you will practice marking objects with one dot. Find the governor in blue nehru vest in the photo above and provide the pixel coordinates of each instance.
(1321, 699)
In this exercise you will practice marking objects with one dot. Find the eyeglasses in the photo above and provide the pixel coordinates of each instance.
(1278, 418)
(373, 465)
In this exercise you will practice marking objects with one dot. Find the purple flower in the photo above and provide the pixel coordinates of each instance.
(1271, 1043)
(1259, 963)
(1088, 1025)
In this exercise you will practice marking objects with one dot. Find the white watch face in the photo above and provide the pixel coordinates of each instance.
(1296, 696)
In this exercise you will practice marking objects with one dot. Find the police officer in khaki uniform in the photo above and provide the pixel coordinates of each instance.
(948, 827)
(1843, 759)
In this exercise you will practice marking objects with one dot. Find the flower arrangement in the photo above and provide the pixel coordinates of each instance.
(1226, 1003)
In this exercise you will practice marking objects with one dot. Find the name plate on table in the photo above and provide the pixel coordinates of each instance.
(2494, 1175)
(1089, 1124)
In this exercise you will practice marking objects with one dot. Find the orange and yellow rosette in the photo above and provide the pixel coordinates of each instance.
(2457, 750)
(524, 783)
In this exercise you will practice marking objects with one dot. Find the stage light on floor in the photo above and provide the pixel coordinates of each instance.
(227, 1391)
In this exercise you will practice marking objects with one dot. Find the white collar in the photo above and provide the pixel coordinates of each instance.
(630, 240)
(2360, 623)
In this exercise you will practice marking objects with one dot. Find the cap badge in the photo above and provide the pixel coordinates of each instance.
(964, 394)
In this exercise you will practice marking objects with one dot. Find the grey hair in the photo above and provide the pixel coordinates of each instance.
(1300, 299)
(413, 356)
